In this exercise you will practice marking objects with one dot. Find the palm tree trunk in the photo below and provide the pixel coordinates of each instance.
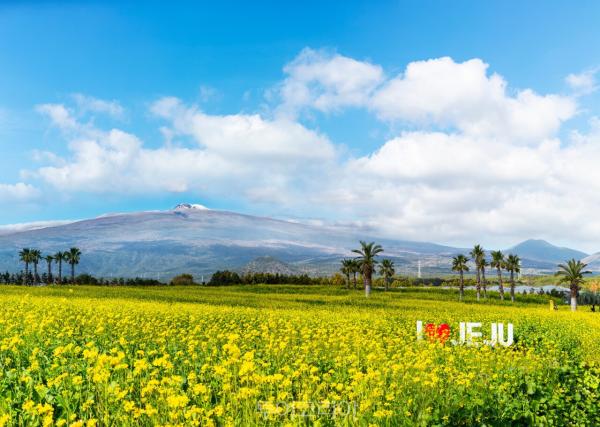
(462, 286)
(347, 280)
(49, 271)
(387, 283)
(573, 297)
(60, 271)
(355, 285)
(501, 287)
(512, 285)
(478, 284)
(73, 273)
(26, 277)
(35, 273)
(367, 283)
(483, 282)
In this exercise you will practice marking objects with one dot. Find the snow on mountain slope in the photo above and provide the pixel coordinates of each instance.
(191, 238)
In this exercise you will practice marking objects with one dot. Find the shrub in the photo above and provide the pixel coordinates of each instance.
(183, 280)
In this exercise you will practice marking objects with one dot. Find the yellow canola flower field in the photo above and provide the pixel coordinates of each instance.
(284, 355)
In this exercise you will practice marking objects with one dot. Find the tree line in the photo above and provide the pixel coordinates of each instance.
(226, 277)
(572, 272)
(33, 257)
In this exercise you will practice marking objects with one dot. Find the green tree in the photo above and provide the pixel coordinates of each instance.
(25, 257)
(367, 254)
(572, 273)
(346, 270)
(498, 263)
(513, 265)
(386, 269)
(73, 257)
(49, 259)
(459, 264)
(59, 257)
(478, 257)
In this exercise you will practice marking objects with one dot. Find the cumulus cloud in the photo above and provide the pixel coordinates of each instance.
(327, 82)
(478, 160)
(233, 153)
(583, 83)
(438, 93)
(89, 104)
(59, 115)
(463, 96)
(19, 192)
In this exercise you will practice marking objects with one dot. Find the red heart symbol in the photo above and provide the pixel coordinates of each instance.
(441, 333)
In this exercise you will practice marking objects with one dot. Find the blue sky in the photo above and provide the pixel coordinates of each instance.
(110, 65)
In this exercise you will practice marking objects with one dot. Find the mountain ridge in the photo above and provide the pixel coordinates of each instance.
(200, 241)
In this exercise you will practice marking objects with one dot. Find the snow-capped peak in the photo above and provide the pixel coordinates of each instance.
(190, 206)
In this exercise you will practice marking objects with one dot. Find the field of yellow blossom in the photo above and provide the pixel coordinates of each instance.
(284, 355)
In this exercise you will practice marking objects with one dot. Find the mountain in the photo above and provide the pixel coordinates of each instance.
(544, 252)
(593, 262)
(190, 206)
(193, 239)
(268, 264)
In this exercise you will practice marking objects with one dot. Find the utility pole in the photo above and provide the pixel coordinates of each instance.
(419, 270)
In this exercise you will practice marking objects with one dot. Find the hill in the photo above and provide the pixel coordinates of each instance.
(191, 238)
(544, 252)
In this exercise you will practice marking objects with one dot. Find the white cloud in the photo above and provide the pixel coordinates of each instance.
(209, 93)
(327, 82)
(89, 104)
(19, 192)
(246, 137)
(583, 83)
(462, 96)
(239, 154)
(59, 115)
(454, 188)
(480, 161)
(27, 226)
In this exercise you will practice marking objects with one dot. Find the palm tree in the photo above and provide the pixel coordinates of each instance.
(72, 257)
(49, 259)
(513, 265)
(478, 254)
(355, 269)
(368, 252)
(386, 269)
(25, 256)
(459, 263)
(498, 263)
(346, 270)
(59, 257)
(36, 256)
(572, 273)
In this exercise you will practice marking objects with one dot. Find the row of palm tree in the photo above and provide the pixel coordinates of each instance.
(499, 261)
(34, 257)
(571, 272)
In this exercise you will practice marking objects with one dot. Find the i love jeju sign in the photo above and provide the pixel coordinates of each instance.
(469, 333)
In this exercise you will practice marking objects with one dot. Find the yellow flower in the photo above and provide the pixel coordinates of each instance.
(177, 401)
